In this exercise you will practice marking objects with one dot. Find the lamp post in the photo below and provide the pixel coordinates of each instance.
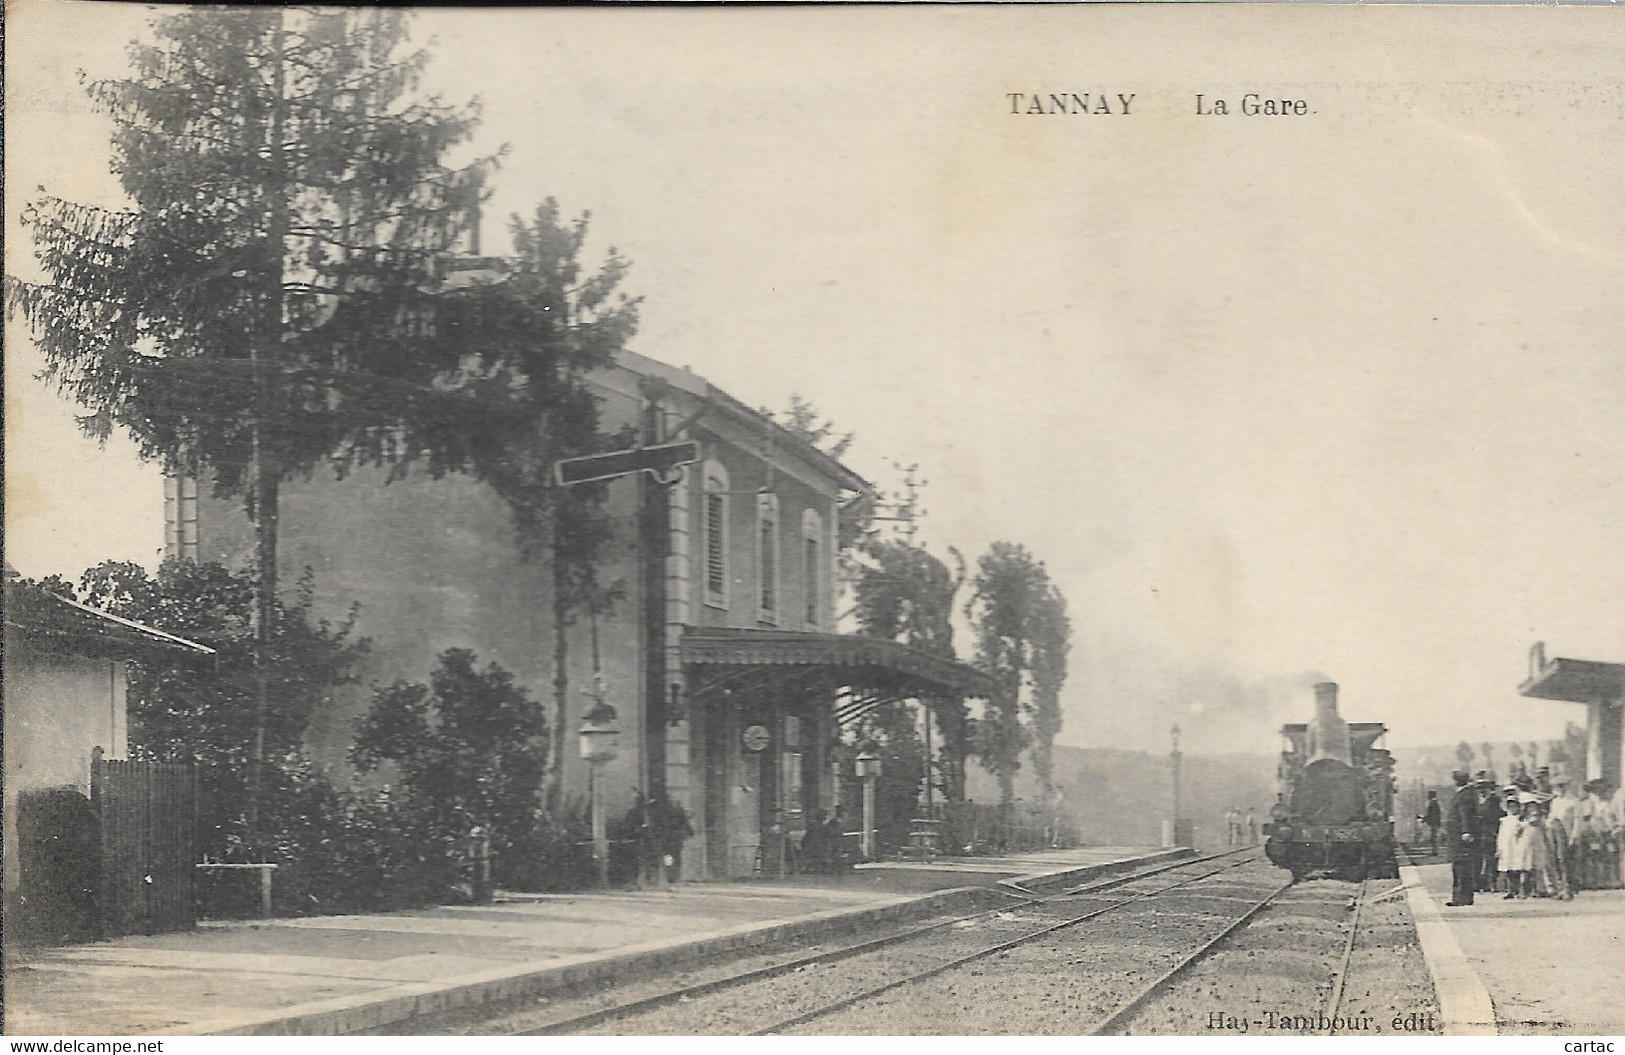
(868, 771)
(1174, 827)
(599, 736)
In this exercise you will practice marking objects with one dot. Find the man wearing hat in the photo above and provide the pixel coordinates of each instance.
(1588, 826)
(1607, 824)
(1487, 828)
(1562, 814)
(1433, 816)
(1461, 823)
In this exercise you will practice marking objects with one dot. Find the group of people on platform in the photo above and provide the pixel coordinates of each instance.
(1242, 826)
(1534, 837)
(824, 846)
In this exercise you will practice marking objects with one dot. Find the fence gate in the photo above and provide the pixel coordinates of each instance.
(148, 813)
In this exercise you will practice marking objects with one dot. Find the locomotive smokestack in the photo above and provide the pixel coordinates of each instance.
(1329, 733)
(1326, 700)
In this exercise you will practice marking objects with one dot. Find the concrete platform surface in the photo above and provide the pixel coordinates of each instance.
(335, 974)
(1548, 967)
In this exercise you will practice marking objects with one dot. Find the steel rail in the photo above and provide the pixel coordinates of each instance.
(688, 992)
(930, 972)
(1335, 999)
(1121, 1015)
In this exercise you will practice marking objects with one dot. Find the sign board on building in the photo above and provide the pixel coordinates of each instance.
(661, 461)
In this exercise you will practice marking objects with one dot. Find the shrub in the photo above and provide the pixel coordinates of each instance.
(471, 747)
(337, 851)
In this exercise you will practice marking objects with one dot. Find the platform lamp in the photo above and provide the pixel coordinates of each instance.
(599, 737)
(868, 771)
(1175, 829)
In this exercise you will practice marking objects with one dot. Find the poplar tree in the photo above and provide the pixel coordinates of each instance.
(277, 296)
(1052, 640)
(1019, 619)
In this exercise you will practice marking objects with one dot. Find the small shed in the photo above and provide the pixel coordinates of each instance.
(66, 743)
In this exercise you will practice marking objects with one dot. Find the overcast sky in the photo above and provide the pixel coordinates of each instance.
(1275, 399)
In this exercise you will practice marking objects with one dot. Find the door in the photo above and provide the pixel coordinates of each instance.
(744, 812)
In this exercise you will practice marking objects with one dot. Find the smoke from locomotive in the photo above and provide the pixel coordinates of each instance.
(1334, 814)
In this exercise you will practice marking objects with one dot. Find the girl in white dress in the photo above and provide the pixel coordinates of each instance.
(1506, 849)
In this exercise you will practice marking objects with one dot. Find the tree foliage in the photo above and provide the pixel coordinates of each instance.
(275, 172)
(803, 419)
(1052, 632)
(905, 593)
(470, 748)
(203, 712)
(283, 290)
(1021, 641)
(284, 286)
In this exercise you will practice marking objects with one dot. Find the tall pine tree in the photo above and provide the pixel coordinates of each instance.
(277, 294)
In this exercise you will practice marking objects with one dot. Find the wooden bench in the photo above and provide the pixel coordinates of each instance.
(265, 871)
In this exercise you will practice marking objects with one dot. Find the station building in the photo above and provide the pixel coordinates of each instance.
(721, 657)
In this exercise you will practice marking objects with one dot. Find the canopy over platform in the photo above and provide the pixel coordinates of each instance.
(1573, 680)
(871, 670)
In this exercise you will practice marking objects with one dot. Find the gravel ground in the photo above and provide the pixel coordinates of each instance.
(538, 1012)
(1018, 991)
(1067, 982)
(1275, 976)
(1387, 974)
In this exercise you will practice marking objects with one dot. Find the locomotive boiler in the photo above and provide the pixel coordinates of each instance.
(1334, 812)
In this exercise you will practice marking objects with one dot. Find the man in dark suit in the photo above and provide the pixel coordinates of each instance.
(1460, 836)
(1489, 827)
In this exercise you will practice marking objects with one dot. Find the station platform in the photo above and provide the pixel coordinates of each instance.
(328, 975)
(1539, 967)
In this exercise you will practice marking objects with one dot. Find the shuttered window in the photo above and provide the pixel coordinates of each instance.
(715, 528)
(812, 558)
(715, 565)
(767, 550)
(812, 566)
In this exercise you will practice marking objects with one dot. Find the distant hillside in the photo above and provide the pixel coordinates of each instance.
(1122, 797)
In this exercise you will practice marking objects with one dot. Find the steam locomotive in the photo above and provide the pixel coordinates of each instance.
(1334, 813)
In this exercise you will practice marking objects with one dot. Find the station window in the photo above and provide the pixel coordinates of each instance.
(715, 513)
(812, 565)
(767, 554)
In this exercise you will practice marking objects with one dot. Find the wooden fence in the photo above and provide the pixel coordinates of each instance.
(148, 815)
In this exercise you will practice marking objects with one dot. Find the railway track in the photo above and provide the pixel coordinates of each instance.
(823, 985)
(1114, 1022)
(1334, 1000)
